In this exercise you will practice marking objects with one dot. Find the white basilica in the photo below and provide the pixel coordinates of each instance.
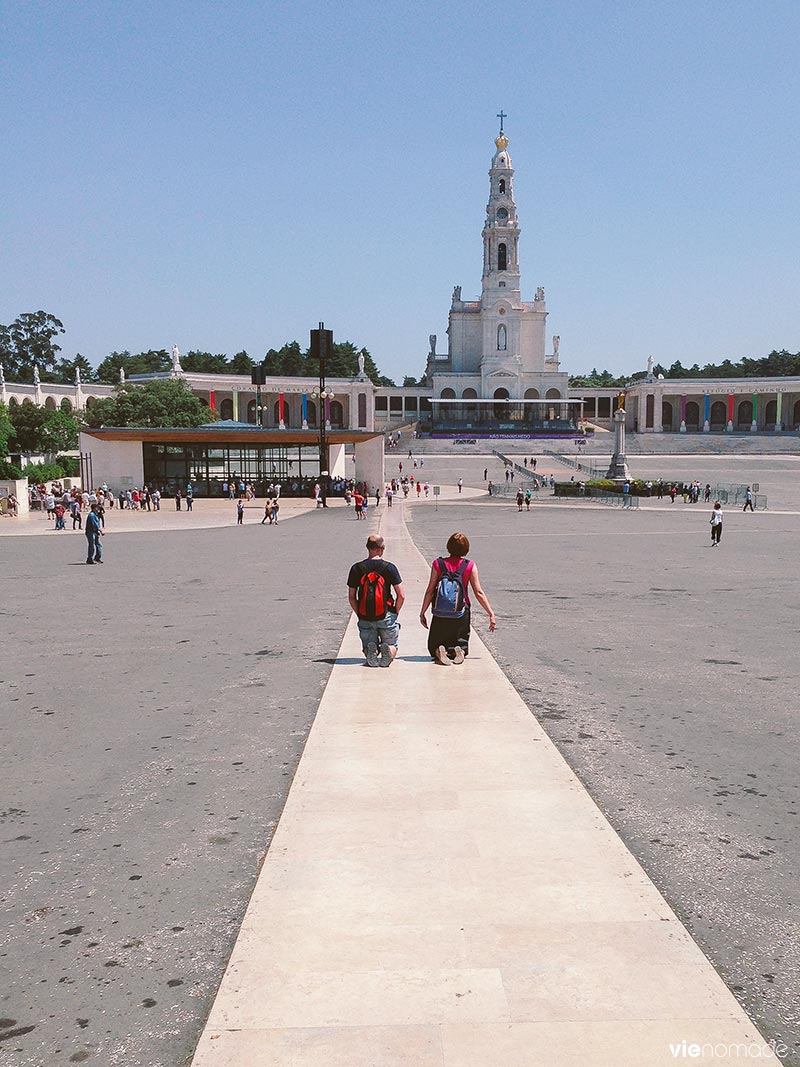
(497, 345)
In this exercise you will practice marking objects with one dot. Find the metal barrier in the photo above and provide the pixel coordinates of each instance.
(591, 469)
(615, 500)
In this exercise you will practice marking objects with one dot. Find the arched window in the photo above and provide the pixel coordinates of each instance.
(502, 256)
(50, 403)
(501, 410)
(311, 413)
(501, 338)
(226, 409)
(448, 394)
(502, 185)
(337, 415)
(251, 412)
(276, 412)
(13, 403)
(66, 405)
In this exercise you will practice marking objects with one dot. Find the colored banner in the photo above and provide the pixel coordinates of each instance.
(778, 411)
(755, 408)
(281, 407)
(212, 400)
(730, 408)
(305, 407)
(707, 409)
(327, 410)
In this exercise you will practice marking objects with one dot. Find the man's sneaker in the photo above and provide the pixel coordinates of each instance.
(386, 656)
(442, 657)
(458, 655)
(372, 656)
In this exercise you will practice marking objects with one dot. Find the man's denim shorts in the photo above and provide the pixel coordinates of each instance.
(382, 631)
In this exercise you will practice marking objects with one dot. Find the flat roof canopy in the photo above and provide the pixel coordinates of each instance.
(505, 400)
(247, 436)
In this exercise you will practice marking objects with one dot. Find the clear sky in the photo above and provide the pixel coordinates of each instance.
(225, 175)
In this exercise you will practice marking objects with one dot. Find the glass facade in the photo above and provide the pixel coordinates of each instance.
(171, 466)
(504, 416)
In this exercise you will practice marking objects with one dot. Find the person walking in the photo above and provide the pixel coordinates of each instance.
(748, 500)
(527, 500)
(520, 499)
(716, 525)
(267, 506)
(375, 594)
(75, 512)
(240, 512)
(460, 484)
(178, 496)
(94, 553)
(447, 595)
(490, 487)
(358, 500)
(275, 507)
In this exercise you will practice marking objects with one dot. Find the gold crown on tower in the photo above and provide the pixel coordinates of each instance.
(501, 141)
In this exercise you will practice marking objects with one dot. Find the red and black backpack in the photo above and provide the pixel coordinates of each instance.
(373, 593)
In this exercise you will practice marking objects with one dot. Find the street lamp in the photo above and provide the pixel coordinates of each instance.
(321, 345)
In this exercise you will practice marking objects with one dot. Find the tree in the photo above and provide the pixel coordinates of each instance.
(64, 372)
(28, 343)
(154, 361)
(37, 429)
(163, 402)
(6, 430)
(241, 364)
(205, 363)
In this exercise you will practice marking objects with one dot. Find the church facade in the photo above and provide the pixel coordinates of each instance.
(498, 373)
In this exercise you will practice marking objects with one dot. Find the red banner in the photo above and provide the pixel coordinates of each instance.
(280, 407)
(212, 400)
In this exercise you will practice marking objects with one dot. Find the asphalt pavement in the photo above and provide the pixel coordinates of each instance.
(154, 711)
(666, 673)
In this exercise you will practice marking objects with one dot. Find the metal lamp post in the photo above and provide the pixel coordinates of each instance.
(321, 345)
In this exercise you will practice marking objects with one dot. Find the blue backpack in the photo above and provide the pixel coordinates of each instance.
(449, 598)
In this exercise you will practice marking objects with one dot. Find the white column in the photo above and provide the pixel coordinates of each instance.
(336, 461)
(369, 462)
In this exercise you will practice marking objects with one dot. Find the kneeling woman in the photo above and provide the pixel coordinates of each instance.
(452, 578)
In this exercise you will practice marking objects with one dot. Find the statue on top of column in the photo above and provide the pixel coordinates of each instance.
(176, 360)
(77, 375)
(121, 375)
(361, 372)
(456, 293)
(556, 343)
(539, 293)
(650, 364)
(432, 342)
(621, 401)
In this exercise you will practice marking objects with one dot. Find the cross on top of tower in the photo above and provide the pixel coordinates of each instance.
(502, 115)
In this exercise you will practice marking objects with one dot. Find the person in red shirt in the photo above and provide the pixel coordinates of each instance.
(358, 500)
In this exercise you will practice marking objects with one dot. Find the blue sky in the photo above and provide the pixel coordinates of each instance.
(223, 176)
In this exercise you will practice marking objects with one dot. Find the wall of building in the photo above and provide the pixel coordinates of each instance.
(119, 463)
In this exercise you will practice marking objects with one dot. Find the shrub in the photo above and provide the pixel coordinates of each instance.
(10, 470)
(43, 472)
(70, 464)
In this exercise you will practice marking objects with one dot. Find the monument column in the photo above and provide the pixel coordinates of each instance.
(618, 468)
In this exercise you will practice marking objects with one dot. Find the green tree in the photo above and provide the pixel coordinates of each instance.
(37, 429)
(154, 361)
(206, 363)
(6, 430)
(64, 372)
(28, 343)
(163, 402)
(241, 364)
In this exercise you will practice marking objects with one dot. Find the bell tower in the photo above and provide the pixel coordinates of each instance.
(501, 229)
